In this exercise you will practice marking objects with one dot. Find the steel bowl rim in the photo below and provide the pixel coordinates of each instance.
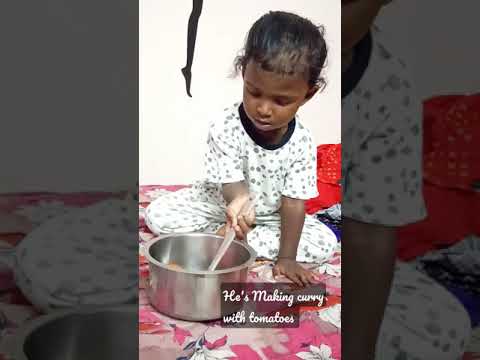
(25, 331)
(152, 260)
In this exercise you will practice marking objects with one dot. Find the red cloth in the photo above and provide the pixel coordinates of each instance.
(451, 166)
(452, 215)
(329, 172)
(451, 138)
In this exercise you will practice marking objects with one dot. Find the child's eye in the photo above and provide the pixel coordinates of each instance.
(254, 94)
(282, 102)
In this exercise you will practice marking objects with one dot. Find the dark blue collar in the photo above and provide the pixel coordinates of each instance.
(361, 57)
(252, 132)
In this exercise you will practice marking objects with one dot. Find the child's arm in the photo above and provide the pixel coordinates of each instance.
(236, 196)
(292, 215)
(368, 256)
(235, 190)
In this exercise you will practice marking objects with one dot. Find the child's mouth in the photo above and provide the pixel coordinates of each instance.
(262, 125)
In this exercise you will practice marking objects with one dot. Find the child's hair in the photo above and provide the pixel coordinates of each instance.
(288, 44)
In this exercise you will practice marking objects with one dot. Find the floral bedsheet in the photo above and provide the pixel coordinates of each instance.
(160, 337)
(36, 208)
(317, 337)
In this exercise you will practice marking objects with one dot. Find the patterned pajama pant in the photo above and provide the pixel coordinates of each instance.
(422, 320)
(202, 209)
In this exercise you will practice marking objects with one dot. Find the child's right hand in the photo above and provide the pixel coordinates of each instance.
(238, 218)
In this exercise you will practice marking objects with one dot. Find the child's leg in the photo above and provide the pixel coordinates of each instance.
(317, 242)
(422, 320)
(187, 210)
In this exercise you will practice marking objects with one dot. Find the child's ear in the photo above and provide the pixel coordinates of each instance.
(310, 93)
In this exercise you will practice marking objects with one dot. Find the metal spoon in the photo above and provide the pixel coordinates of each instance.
(229, 236)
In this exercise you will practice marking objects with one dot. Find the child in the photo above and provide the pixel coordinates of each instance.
(259, 148)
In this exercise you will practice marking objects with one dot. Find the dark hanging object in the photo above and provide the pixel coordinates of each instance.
(192, 36)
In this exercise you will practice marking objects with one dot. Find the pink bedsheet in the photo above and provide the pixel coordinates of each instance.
(162, 337)
(15, 310)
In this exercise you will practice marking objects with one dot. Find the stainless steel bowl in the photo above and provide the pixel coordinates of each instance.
(193, 293)
(93, 334)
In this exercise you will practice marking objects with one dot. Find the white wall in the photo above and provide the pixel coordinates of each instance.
(67, 87)
(422, 28)
(439, 39)
(173, 127)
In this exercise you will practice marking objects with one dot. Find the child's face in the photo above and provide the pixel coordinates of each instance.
(272, 100)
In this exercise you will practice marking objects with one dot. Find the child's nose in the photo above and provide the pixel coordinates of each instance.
(264, 109)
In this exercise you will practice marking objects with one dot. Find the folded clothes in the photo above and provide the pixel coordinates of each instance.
(333, 212)
(449, 274)
(332, 217)
(458, 269)
(458, 265)
(334, 225)
(469, 301)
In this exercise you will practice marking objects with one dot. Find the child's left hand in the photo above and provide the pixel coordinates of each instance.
(292, 270)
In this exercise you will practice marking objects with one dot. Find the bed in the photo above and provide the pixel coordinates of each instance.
(318, 333)
(161, 337)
